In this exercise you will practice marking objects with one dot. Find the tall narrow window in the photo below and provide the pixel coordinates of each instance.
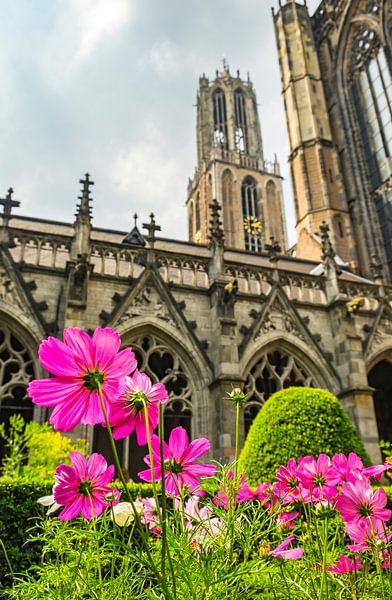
(251, 215)
(190, 221)
(220, 119)
(197, 211)
(227, 203)
(241, 134)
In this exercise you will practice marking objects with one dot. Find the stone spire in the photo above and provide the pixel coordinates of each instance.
(151, 228)
(83, 209)
(216, 242)
(331, 271)
(82, 225)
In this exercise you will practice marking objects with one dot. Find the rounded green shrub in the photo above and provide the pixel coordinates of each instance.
(295, 422)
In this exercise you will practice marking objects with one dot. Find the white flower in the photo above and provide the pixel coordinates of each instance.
(49, 501)
(123, 514)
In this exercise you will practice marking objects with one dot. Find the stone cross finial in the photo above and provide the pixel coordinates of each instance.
(151, 228)
(273, 249)
(135, 218)
(84, 209)
(8, 204)
(328, 253)
(216, 234)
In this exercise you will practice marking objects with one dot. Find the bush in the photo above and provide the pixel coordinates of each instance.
(19, 512)
(297, 422)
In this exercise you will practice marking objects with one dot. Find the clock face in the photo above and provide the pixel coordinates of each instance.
(253, 226)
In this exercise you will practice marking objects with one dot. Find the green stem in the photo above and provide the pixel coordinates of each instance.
(324, 561)
(127, 493)
(7, 558)
(237, 441)
(152, 465)
(165, 544)
(97, 545)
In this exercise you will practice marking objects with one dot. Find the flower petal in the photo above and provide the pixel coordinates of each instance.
(178, 442)
(57, 358)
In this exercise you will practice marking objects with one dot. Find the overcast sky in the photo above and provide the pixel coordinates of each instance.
(109, 87)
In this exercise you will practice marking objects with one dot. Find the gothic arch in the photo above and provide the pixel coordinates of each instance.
(18, 366)
(274, 366)
(380, 380)
(219, 111)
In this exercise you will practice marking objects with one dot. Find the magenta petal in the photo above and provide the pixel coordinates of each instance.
(80, 343)
(123, 364)
(123, 430)
(145, 475)
(72, 510)
(178, 442)
(57, 358)
(96, 465)
(49, 392)
(201, 470)
(196, 449)
(79, 463)
(106, 343)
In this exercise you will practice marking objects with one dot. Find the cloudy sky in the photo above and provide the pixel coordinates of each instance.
(109, 87)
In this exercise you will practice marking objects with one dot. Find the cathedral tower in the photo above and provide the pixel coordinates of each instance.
(319, 192)
(231, 168)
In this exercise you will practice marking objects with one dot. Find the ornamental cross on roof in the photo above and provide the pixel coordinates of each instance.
(134, 237)
(83, 209)
(328, 253)
(216, 233)
(8, 204)
(151, 228)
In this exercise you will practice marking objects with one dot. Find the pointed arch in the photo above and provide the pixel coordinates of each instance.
(240, 122)
(251, 214)
(228, 206)
(220, 119)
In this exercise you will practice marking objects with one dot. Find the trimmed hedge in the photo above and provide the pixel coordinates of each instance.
(295, 422)
(19, 512)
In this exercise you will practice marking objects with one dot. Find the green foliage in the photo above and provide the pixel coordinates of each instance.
(297, 422)
(19, 513)
(35, 450)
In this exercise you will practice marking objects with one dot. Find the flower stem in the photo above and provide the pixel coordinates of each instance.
(237, 441)
(127, 493)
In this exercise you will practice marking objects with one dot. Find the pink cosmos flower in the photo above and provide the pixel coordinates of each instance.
(150, 514)
(83, 487)
(358, 502)
(281, 552)
(127, 411)
(80, 364)
(377, 470)
(179, 465)
(348, 468)
(367, 535)
(286, 520)
(319, 475)
(345, 564)
(288, 485)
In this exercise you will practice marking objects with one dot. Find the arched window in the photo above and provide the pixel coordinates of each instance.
(197, 212)
(190, 221)
(227, 203)
(251, 215)
(16, 371)
(274, 371)
(162, 365)
(220, 119)
(379, 378)
(241, 132)
(371, 89)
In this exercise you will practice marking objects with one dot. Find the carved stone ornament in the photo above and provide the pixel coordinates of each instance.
(277, 319)
(383, 330)
(148, 303)
(8, 293)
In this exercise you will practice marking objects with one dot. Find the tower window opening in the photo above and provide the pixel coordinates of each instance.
(251, 214)
(241, 134)
(220, 119)
(197, 211)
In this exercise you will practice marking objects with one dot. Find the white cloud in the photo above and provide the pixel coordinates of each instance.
(164, 59)
(81, 27)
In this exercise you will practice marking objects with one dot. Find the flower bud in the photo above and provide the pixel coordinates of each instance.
(236, 395)
(123, 513)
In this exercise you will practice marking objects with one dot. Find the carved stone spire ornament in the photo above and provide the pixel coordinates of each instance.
(377, 270)
(8, 204)
(151, 228)
(331, 271)
(328, 253)
(216, 234)
(83, 210)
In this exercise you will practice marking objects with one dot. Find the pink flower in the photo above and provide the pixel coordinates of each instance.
(150, 514)
(127, 411)
(281, 552)
(288, 485)
(80, 364)
(345, 564)
(366, 535)
(358, 502)
(83, 487)
(377, 470)
(318, 475)
(348, 468)
(286, 520)
(179, 465)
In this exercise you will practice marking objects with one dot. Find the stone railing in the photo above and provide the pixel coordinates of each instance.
(41, 249)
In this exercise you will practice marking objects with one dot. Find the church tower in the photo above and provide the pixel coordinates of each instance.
(319, 193)
(232, 170)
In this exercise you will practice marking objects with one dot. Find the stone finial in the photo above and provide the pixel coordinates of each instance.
(328, 253)
(216, 234)
(8, 204)
(151, 228)
(83, 210)
(273, 249)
